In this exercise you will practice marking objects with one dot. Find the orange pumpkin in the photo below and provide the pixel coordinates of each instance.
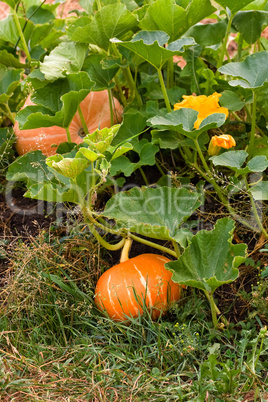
(96, 111)
(126, 288)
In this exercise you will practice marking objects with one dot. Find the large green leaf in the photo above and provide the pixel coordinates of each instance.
(66, 58)
(57, 102)
(44, 35)
(9, 80)
(211, 259)
(231, 159)
(29, 168)
(257, 5)
(208, 34)
(9, 31)
(251, 73)
(250, 24)
(44, 183)
(68, 167)
(53, 192)
(133, 124)
(149, 46)
(259, 191)
(235, 159)
(102, 77)
(11, 3)
(258, 164)
(167, 16)
(113, 20)
(232, 101)
(146, 151)
(153, 212)
(9, 60)
(234, 6)
(183, 120)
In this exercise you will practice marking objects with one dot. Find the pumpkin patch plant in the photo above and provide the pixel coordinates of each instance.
(108, 98)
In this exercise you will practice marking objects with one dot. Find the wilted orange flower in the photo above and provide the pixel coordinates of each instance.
(220, 141)
(204, 105)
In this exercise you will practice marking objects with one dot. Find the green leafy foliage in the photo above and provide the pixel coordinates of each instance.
(250, 24)
(252, 73)
(234, 6)
(183, 120)
(146, 151)
(235, 160)
(208, 34)
(133, 124)
(149, 46)
(153, 212)
(10, 79)
(102, 77)
(57, 102)
(67, 58)
(175, 20)
(259, 191)
(113, 20)
(211, 259)
(9, 32)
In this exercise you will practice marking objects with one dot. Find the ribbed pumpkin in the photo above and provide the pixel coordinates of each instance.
(124, 289)
(96, 111)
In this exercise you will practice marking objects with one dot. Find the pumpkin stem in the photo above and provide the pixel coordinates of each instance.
(126, 249)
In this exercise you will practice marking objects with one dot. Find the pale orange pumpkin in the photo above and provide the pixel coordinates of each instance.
(96, 111)
(123, 290)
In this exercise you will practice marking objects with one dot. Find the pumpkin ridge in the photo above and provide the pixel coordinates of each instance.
(130, 297)
(145, 285)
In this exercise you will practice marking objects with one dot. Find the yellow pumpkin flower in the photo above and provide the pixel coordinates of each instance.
(204, 105)
(220, 141)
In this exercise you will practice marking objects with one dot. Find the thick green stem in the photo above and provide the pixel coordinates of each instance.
(213, 307)
(176, 248)
(84, 124)
(170, 73)
(8, 113)
(224, 45)
(121, 94)
(132, 85)
(255, 212)
(98, 4)
(104, 243)
(253, 124)
(22, 37)
(209, 175)
(128, 77)
(164, 91)
(154, 245)
(69, 139)
(89, 218)
(144, 176)
(239, 47)
(111, 107)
